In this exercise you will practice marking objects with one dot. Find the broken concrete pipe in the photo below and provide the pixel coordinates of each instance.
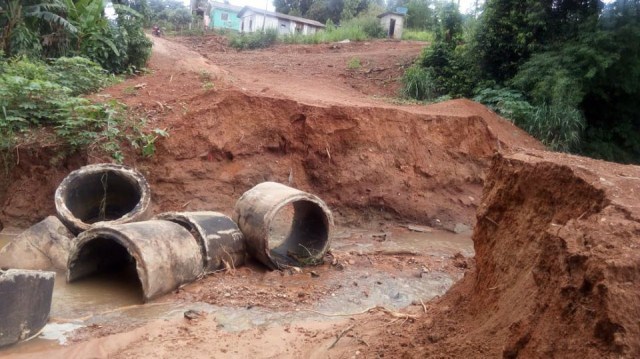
(102, 193)
(221, 242)
(163, 254)
(25, 303)
(284, 226)
(44, 246)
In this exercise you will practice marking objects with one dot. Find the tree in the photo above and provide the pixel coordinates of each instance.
(511, 30)
(420, 15)
(300, 7)
(22, 21)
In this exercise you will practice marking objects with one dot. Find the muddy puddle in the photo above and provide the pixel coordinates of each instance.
(115, 300)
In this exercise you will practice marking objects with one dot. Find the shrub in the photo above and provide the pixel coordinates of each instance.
(418, 84)
(507, 102)
(357, 29)
(33, 94)
(354, 63)
(79, 74)
(255, 40)
(558, 126)
(369, 24)
(416, 35)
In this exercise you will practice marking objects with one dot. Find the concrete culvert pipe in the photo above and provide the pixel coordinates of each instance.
(102, 193)
(284, 226)
(164, 254)
(221, 242)
(25, 303)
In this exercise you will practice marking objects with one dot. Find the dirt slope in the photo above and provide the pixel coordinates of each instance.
(366, 161)
(557, 237)
(557, 246)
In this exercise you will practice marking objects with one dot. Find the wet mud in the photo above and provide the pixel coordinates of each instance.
(362, 272)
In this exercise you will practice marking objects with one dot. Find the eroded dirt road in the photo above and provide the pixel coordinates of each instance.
(298, 115)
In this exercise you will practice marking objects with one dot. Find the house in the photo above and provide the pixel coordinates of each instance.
(222, 16)
(393, 23)
(254, 19)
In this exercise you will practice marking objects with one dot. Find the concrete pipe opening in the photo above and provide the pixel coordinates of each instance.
(284, 226)
(102, 193)
(221, 242)
(161, 254)
(119, 267)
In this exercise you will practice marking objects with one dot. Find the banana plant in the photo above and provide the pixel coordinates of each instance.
(21, 21)
(93, 27)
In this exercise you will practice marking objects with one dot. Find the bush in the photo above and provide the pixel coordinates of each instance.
(507, 102)
(416, 35)
(33, 94)
(354, 63)
(370, 25)
(418, 84)
(255, 40)
(559, 127)
(79, 74)
(357, 29)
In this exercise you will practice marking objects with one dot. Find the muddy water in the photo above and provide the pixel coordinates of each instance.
(428, 242)
(117, 299)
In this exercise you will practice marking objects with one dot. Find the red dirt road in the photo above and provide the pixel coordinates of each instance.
(557, 237)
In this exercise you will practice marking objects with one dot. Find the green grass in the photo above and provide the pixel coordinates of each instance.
(354, 64)
(254, 40)
(418, 35)
(358, 29)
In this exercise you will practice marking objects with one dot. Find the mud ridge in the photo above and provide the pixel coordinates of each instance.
(367, 162)
(557, 246)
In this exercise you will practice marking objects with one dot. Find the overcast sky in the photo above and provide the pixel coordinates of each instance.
(465, 5)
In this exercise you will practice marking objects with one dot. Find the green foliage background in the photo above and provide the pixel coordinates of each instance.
(567, 72)
(53, 52)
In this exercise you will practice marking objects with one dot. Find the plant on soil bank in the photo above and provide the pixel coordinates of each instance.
(354, 63)
(356, 29)
(418, 35)
(567, 72)
(254, 40)
(35, 95)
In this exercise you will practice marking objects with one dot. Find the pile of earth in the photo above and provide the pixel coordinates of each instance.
(557, 246)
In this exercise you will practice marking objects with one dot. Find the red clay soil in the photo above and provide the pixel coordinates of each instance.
(405, 162)
(557, 237)
(371, 68)
(557, 246)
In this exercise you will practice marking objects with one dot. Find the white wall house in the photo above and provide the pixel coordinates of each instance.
(392, 23)
(254, 19)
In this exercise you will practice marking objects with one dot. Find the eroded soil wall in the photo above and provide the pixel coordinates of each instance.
(557, 246)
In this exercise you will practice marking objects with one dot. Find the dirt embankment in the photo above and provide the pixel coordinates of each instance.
(557, 246)
(557, 237)
(422, 164)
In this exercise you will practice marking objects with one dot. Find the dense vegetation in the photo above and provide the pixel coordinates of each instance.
(568, 72)
(54, 51)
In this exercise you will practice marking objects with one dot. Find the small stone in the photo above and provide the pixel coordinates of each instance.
(227, 295)
(352, 262)
(314, 274)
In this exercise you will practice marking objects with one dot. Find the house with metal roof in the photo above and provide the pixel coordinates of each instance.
(222, 15)
(254, 19)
